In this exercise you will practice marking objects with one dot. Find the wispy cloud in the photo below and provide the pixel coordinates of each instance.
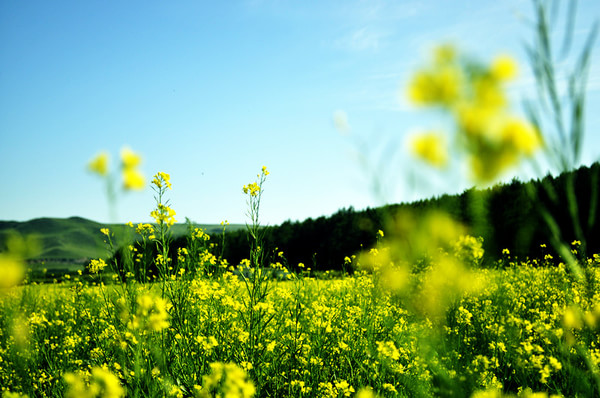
(363, 39)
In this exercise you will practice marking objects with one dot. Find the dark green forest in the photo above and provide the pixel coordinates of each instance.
(517, 216)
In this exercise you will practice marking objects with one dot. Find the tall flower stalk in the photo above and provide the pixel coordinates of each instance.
(256, 278)
(165, 218)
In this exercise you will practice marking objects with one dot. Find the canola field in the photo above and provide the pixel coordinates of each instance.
(328, 338)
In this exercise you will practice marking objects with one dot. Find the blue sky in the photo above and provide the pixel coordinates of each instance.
(210, 91)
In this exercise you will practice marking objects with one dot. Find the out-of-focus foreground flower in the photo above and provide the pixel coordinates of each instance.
(491, 137)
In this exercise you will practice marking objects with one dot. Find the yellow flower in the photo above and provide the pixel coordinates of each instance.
(162, 179)
(431, 148)
(438, 87)
(226, 380)
(96, 266)
(99, 164)
(102, 384)
(144, 229)
(130, 159)
(252, 189)
(133, 179)
(388, 349)
(164, 214)
(488, 94)
(366, 392)
(503, 68)
(151, 314)
(522, 136)
(12, 271)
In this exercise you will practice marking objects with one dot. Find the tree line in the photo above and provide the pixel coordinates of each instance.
(511, 216)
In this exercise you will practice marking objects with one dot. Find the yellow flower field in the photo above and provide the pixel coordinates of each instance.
(327, 338)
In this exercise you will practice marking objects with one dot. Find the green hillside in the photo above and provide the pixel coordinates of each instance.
(69, 242)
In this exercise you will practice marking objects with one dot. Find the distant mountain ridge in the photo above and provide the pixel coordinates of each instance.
(74, 240)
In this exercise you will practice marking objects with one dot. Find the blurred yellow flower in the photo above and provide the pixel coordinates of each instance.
(430, 147)
(438, 87)
(130, 159)
(488, 94)
(133, 179)
(521, 135)
(12, 271)
(102, 384)
(99, 164)
(473, 95)
(226, 380)
(504, 67)
(151, 314)
(365, 392)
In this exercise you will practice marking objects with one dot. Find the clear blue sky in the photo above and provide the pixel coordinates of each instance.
(210, 91)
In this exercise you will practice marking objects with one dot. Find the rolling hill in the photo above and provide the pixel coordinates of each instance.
(70, 242)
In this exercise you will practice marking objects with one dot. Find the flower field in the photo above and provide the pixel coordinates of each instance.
(520, 333)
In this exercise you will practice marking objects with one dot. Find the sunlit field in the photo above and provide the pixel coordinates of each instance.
(527, 328)
(422, 312)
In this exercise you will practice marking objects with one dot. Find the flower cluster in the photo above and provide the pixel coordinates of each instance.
(163, 214)
(226, 380)
(96, 266)
(492, 138)
(251, 189)
(162, 179)
(132, 178)
(102, 384)
(99, 164)
(151, 314)
(130, 161)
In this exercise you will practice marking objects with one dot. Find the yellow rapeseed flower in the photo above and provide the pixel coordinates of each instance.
(365, 392)
(488, 94)
(251, 189)
(12, 271)
(133, 179)
(96, 266)
(163, 214)
(504, 67)
(441, 86)
(130, 159)
(521, 136)
(103, 384)
(162, 179)
(226, 380)
(99, 164)
(431, 148)
(151, 314)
